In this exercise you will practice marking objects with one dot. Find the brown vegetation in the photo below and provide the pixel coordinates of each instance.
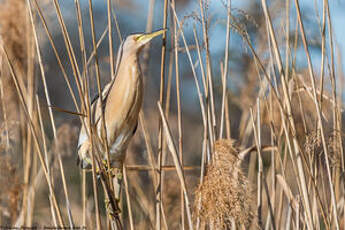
(225, 194)
(190, 163)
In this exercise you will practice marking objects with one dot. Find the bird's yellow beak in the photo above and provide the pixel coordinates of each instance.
(144, 38)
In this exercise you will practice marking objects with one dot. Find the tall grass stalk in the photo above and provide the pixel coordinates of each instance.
(35, 137)
(159, 202)
(288, 155)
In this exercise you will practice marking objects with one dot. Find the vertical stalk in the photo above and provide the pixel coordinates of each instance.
(160, 135)
(70, 51)
(179, 111)
(103, 133)
(297, 148)
(146, 51)
(225, 73)
(257, 137)
(35, 136)
(51, 116)
(30, 100)
(323, 54)
(128, 198)
(325, 149)
(211, 110)
(85, 107)
(110, 36)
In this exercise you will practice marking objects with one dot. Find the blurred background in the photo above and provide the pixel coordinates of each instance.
(243, 87)
(132, 17)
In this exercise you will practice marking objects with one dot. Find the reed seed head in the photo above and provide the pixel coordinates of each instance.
(225, 192)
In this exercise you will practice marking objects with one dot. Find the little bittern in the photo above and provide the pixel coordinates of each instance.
(121, 101)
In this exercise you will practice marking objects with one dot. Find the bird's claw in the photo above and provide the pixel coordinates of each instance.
(112, 170)
(110, 211)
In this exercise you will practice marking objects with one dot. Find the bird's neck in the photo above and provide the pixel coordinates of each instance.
(126, 95)
(129, 73)
(128, 62)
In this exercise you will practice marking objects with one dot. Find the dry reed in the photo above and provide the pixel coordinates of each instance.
(299, 183)
(225, 194)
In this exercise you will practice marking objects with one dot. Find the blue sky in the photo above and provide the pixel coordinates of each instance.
(135, 21)
(138, 17)
(337, 8)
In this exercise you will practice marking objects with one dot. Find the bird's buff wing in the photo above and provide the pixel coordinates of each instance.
(83, 140)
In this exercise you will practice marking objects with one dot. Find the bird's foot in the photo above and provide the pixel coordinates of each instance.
(105, 165)
(110, 211)
(116, 172)
(112, 170)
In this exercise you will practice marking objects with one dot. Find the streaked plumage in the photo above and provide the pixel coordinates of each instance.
(122, 100)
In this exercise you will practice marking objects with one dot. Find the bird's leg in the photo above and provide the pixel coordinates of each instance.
(116, 175)
(117, 181)
(108, 206)
(112, 211)
(113, 194)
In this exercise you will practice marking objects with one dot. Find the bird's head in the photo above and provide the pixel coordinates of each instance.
(135, 42)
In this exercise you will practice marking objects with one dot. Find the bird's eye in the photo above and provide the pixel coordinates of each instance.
(137, 38)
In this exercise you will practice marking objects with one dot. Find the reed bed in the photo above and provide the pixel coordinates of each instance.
(266, 155)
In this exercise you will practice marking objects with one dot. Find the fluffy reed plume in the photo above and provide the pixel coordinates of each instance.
(225, 192)
(313, 147)
(9, 197)
(13, 29)
(13, 35)
(304, 112)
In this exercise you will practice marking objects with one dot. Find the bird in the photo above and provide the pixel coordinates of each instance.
(122, 99)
